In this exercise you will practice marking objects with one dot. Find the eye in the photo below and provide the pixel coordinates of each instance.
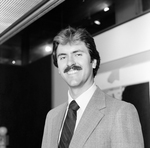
(62, 57)
(79, 54)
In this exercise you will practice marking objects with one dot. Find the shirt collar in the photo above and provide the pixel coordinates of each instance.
(84, 98)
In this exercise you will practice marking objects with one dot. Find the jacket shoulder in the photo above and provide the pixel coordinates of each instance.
(113, 103)
(119, 105)
(53, 112)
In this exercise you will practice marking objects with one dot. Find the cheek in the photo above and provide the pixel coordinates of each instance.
(61, 68)
(88, 68)
(61, 65)
(87, 64)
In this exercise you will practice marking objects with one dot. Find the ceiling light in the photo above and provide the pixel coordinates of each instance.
(13, 62)
(106, 9)
(48, 48)
(97, 22)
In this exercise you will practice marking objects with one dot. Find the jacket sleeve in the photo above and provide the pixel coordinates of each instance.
(126, 131)
(45, 140)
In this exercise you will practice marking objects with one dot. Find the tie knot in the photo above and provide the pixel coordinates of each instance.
(73, 105)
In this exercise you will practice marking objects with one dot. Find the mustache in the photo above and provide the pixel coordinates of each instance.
(74, 67)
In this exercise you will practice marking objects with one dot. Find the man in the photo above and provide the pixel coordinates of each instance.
(101, 121)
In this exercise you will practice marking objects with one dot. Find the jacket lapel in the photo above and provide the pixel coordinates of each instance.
(91, 117)
(57, 123)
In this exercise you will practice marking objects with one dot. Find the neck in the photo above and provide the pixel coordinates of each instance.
(75, 92)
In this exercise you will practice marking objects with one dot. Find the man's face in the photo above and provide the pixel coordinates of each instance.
(74, 64)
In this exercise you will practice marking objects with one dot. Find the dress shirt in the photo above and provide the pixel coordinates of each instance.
(82, 101)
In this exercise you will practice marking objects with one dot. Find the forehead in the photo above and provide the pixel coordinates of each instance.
(71, 47)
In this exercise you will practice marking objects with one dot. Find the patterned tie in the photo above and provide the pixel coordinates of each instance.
(69, 125)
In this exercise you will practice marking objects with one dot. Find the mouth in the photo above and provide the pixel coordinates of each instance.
(71, 72)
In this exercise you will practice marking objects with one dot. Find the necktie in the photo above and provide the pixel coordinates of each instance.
(69, 125)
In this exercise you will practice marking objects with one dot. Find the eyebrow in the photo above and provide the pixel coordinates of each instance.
(63, 54)
(77, 51)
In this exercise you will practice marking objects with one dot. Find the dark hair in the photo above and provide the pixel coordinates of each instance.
(72, 35)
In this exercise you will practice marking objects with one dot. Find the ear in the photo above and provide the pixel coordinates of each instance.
(94, 63)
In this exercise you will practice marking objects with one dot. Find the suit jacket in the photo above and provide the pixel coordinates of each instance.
(106, 123)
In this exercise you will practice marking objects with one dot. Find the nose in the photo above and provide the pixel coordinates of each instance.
(70, 61)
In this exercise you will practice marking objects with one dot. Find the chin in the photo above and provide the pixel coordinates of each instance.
(73, 84)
